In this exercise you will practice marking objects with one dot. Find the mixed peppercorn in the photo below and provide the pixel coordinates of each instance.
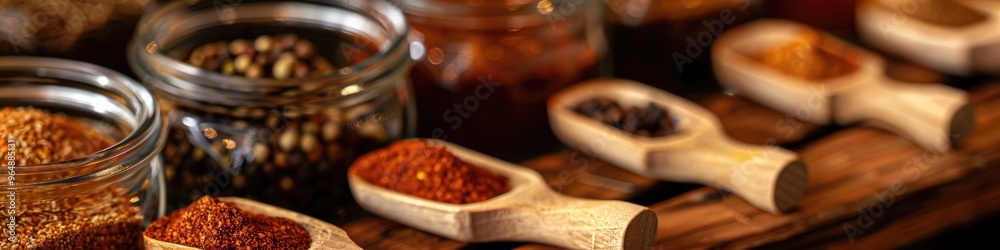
(280, 57)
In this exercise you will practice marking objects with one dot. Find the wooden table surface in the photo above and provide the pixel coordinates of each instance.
(868, 188)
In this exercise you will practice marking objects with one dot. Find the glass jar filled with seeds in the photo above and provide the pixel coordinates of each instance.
(81, 148)
(272, 100)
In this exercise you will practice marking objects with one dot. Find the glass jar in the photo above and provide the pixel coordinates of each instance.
(284, 142)
(666, 44)
(102, 200)
(485, 69)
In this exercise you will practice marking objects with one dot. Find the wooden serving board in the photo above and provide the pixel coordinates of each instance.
(851, 169)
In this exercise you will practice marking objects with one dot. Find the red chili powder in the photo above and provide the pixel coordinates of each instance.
(213, 224)
(416, 168)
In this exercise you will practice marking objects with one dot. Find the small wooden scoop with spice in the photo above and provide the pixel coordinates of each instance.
(820, 79)
(237, 223)
(461, 194)
(954, 36)
(695, 149)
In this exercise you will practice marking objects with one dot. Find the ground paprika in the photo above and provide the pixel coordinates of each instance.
(213, 224)
(417, 168)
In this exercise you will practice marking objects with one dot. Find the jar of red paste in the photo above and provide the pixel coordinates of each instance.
(484, 69)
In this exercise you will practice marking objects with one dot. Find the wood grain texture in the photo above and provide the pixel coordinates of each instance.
(750, 122)
(580, 173)
(920, 216)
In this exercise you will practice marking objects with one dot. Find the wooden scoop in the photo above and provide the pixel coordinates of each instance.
(324, 235)
(530, 212)
(768, 177)
(933, 116)
(962, 37)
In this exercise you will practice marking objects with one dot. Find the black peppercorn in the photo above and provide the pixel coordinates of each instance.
(649, 121)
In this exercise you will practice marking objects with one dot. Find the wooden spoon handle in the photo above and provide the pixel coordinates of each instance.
(934, 116)
(768, 177)
(575, 223)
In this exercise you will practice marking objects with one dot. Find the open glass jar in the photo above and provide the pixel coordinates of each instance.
(101, 200)
(485, 69)
(286, 142)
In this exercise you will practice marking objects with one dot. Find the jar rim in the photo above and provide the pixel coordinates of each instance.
(486, 14)
(164, 73)
(137, 148)
(481, 8)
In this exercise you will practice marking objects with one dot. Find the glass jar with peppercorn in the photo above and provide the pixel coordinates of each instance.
(272, 100)
(484, 69)
(81, 148)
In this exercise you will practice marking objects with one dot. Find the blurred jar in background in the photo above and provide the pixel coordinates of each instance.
(95, 31)
(484, 69)
(836, 16)
(666, 43)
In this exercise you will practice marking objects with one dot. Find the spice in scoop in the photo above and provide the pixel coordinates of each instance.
(943, 12)
(651, 121)
(213, 224)
(810, 57)
(417, 168)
